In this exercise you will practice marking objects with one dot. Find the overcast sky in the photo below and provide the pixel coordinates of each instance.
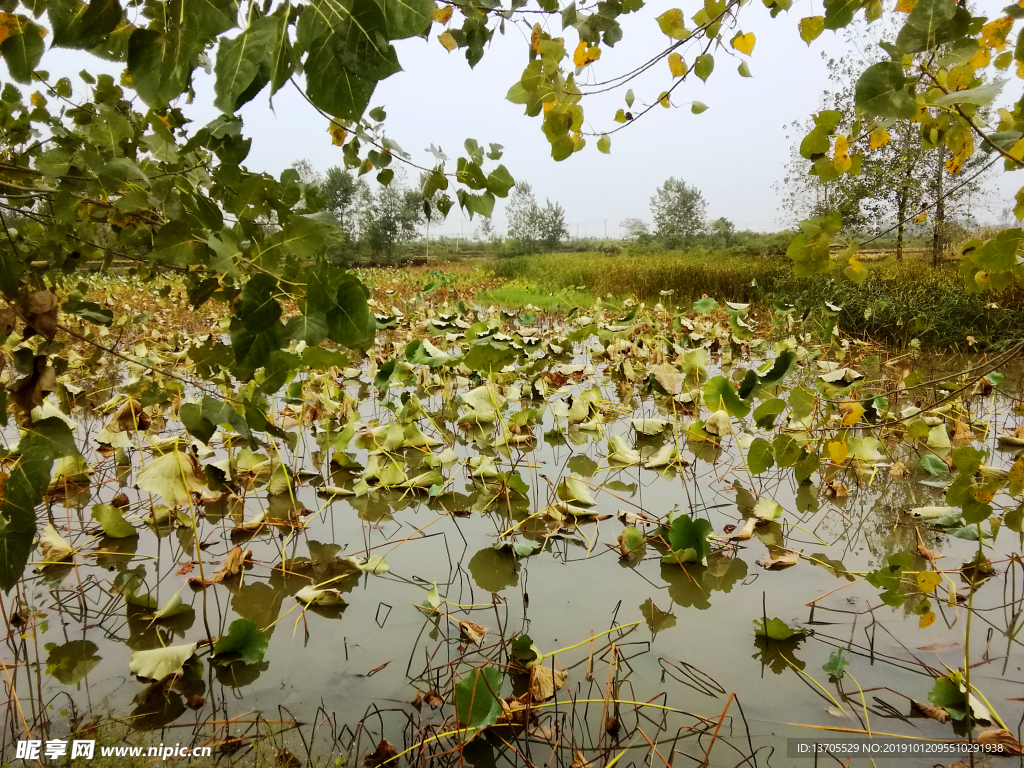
(734, 152)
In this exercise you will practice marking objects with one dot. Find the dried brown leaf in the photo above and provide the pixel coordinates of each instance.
(381, 755)
(472, 633)
(234, 563)
(935, 713)
(544, 682)
(1000, 742)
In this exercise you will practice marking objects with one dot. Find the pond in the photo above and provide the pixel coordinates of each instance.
(617, 534)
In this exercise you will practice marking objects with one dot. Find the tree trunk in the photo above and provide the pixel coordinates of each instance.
(901, 214)
(940, 209)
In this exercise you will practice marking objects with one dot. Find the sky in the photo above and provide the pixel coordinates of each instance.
(734, 152)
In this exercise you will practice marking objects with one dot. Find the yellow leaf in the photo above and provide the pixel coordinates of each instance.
(906, 6)
(983, 497)
(994, 33)
(443, 14)
(38, 100)
(879, 137)
(446, 39)
(927, 620)
(854, 411)
(338, 134)
(744, 43)
(579, 57)
(535, 38)
(676, 65)
(841, 159)
(927, 581)
(549, 105)
(980, 59)
(1017, 150)
(1020, 69)
(1017, 476)
(585, 54)
(920, 217)
(663, 100)
(837, 451)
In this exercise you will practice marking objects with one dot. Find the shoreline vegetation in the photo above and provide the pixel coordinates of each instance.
(901, 303)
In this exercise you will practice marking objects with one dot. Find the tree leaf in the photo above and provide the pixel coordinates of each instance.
(704, 65)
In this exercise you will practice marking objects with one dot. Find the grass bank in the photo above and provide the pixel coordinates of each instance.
(899, 302)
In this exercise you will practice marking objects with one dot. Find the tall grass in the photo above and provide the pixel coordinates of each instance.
(689, 276)
(899, 302)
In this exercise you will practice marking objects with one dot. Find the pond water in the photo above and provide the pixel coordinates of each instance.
(662, 662)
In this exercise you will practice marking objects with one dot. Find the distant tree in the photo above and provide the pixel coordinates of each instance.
(343, 193)
(308, 175)
(390, 219)
(551, 228)
(722, 231)
(678, 210)
(523, 218)
(487, 229)
(635, 229)
(890, 180)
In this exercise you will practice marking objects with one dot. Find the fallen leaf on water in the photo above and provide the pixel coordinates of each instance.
(236, 560)
(53, 546)
(898, 471)
(1001, 742)
(746, 531)
(473, 633)
(322, 597)
(544, 682)
(935, 713)
(776, 560)
(836, 490)
(381, 755)
(433, 699)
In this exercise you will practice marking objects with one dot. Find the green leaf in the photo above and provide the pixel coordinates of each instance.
(947, 694)
(776, 629)
(982, 96)
(604, 144)
(239, 64)
(759, 456)
(766, 413)
(112, 521)
(256, 328)
(882, 90)
(705, 306)
(688, 539)
(836, 665)
(933, 465)
(348, 53)
(311, 329)
(244, 641)
(22, 53)
(704, 65)
(697, 107)
(476, 698)
(719, 394)
(932, 23)
(632, 544)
